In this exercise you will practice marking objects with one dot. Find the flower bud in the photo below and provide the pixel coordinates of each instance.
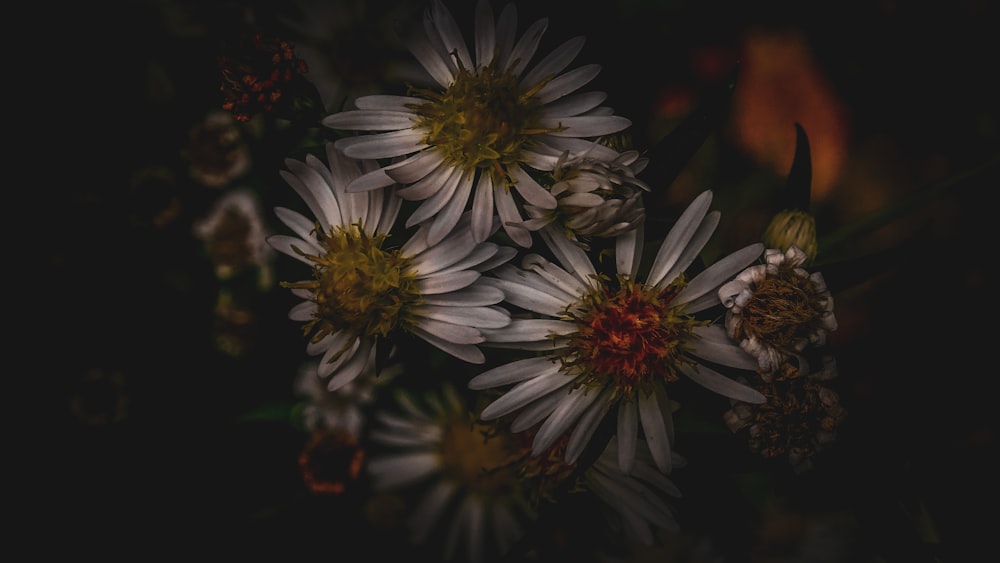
(792, 227)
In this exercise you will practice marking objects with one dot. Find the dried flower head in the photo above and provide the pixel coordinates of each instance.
(777, 309)
(800, 417)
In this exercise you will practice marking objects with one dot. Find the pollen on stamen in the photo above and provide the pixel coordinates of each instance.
(631, 335)
(482, 118)
(358, 286)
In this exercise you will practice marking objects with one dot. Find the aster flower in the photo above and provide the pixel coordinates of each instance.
(801, 415)
(778, 308)
(614, 343)
(364, 290)
(491, 124)
(595, 197)
(466, 472)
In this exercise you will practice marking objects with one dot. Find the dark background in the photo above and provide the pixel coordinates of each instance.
(911, 477)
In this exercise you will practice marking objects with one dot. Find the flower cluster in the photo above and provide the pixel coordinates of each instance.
(492, 221)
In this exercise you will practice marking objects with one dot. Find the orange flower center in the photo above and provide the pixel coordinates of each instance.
(631, 336)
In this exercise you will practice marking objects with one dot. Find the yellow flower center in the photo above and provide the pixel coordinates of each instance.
(482, 120)
(358, 286)
(784, 310)
(478, 457)
(631, 336)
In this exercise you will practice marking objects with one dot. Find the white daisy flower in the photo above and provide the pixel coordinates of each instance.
(777, 309)
(491, 124)
(636, 501)
(472, 493)
(362, 290)
(614, 343)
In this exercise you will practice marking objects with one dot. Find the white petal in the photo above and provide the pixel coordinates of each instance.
(708, 281)
(574, 104)
(527, 297)
(374, 180)
(526, 46)
(415, 167)
(568, 83)
(585, 427)
(444, 284)
(628, 250)
(535, 412)
(450, 33)
(714, 345)
(370, 120)
(387, 102)
(303, 312)
(446, 219)
(436, 190)
(564, 417)
(627, 434)
(402, 469)
(573, 258)
(382, 145)
(300, 225)
(586, 125)
(428, 57)
(294, 247)
(654, 428)
(693, 247)
(315, 192)
(530, 330)
(555, 62)
(474, 295)
(725, 386)
(469, 316)
(482, 208)
(465, 352)
(677, 238)
(509, 215)
(485, 34)
(524, 393)
(514, 372)
(530, 190)
(459, 334)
